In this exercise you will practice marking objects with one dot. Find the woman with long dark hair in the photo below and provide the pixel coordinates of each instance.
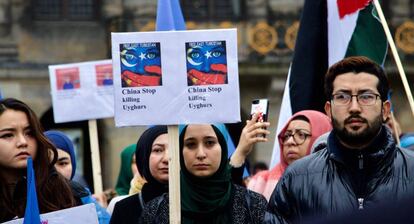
(21, 136)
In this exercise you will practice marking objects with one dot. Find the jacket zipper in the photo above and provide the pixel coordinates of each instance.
(360, 203)
(360, 180)
(361, 161)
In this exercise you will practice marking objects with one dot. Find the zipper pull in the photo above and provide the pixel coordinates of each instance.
(360, 203)
(360, 161)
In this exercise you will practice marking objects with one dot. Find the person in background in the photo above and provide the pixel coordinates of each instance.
(66, 163)
(259, 166)
(295, 141)
(136, 184)
(66, 166)
(207, 192)
(361, 165)
(21, 137)
(152, 163)
(129, 179)
(127, 170)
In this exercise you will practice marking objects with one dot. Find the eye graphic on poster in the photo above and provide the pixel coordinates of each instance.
(67, 78)
(104, 75)
(206, 63)
(140, 64)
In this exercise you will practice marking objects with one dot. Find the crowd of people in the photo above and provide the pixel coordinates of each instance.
(334, 166)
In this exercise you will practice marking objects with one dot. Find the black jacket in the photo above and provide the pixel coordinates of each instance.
(127, 210)
(337, 180)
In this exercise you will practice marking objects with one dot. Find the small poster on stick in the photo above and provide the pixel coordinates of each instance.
(82, 91)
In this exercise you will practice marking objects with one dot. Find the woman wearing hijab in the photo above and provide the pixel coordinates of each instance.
(152, 162)
(66, 165)
(126, 172)
(207, 192)
(295, 141)
(129, 179)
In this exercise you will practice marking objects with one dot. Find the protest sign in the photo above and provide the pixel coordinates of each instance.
(82, 91)
(176, 77)
(80, 214)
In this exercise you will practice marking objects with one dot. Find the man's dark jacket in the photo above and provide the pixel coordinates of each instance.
(336, 180)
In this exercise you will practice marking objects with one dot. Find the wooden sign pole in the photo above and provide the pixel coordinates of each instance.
(174, 174)
(96, 161)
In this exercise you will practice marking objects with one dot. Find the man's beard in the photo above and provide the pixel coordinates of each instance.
(360, 138)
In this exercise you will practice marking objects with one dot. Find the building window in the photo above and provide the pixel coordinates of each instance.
(412, 9)
(213, 10)
(65, 9)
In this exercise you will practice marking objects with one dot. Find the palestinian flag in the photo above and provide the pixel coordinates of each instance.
(329, 31)
(355, 29)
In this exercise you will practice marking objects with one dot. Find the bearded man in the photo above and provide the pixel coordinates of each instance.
(361, 164)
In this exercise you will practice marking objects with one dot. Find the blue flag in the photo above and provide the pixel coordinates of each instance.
(31, 215)
(169, 16)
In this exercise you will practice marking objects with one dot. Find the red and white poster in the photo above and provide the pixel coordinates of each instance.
(82, 91)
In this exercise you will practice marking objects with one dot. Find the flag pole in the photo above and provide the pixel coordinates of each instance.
(395, 55)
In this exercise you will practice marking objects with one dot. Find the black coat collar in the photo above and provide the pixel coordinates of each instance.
(379, 152)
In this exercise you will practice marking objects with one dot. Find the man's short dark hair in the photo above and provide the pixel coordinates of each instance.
(357, 64)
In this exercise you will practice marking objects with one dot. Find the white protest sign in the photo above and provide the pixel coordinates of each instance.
(79, 215)
(176, 77)
(82, 91)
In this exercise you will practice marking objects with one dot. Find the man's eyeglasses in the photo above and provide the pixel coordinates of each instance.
(299, 136)
(364, 99)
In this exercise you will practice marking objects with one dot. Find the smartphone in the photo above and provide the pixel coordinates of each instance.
(260, 106)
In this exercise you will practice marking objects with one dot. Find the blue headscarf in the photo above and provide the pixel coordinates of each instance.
(62, 141)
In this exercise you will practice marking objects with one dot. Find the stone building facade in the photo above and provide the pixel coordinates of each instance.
(38, 33)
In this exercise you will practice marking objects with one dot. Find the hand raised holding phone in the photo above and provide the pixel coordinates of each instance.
(252, 133)
(261, 108)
